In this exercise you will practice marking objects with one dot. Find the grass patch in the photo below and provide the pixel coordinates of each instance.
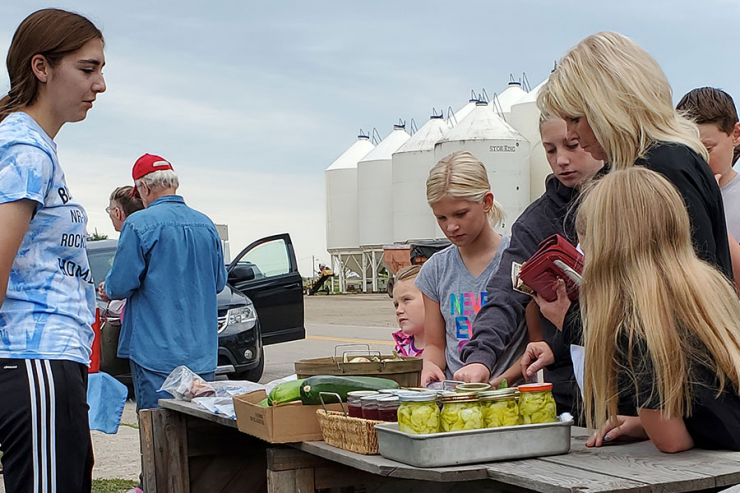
(131, 425)
(112, 485)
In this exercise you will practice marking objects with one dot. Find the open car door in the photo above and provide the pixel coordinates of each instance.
(267, 272)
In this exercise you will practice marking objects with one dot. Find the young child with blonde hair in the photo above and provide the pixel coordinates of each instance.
(409, 305)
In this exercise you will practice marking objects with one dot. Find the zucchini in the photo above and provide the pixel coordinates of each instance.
(340, 385)
(285, 392)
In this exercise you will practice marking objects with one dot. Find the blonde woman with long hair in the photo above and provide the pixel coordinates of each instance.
(618, 104)
(453, 281)
(661, 326)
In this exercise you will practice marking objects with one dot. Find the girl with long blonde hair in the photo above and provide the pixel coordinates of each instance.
(661, 326)
(618, 104)
(453, 281)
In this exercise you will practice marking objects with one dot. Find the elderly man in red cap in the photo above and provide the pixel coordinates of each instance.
(169, 266)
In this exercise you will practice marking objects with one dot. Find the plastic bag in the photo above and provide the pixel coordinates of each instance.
(183, 384)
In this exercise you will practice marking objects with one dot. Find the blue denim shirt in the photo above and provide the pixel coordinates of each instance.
(169, 266)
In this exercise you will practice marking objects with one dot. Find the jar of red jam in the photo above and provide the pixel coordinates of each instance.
(370, 407)
(388, 408)
(354, 406)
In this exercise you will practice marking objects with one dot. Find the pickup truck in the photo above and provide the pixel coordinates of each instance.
(261, 304)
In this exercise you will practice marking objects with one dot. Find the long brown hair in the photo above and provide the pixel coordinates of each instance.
(644, 287)
(53, 33)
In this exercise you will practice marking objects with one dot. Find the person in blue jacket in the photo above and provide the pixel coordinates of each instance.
(169, 266)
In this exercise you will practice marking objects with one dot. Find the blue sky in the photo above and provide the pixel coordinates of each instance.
(251, 101)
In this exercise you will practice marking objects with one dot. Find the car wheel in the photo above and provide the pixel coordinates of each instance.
(254, 374)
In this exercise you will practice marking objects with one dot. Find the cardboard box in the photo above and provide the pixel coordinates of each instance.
(292, 422)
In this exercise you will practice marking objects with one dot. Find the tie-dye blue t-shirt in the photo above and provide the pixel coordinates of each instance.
(50, 300)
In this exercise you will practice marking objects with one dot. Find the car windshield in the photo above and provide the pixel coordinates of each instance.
(100, 263)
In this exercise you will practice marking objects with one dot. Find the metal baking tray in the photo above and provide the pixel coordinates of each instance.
(473, 446)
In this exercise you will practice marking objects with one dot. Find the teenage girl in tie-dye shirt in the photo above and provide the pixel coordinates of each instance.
(47, 296)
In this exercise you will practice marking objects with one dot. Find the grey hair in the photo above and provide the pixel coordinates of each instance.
(159, 180)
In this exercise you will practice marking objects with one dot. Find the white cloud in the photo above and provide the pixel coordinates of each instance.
(253, 204)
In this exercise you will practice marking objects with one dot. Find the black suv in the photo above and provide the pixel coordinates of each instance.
(261, 304)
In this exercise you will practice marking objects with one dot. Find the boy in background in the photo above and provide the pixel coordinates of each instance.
(713, 110)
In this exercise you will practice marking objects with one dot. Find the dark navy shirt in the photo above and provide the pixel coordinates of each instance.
(169, 266)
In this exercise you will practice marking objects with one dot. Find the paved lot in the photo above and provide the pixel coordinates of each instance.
(330, 321)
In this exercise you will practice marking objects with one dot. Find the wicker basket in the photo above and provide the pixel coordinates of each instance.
(348, 433)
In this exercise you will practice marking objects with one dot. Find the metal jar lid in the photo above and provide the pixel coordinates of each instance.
(361, 393)
(393, 399)
(371, 398)
(418, 397)
(494, 395)
(459, 397)
(473, 387)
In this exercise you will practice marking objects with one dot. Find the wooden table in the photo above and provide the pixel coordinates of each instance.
(189, 449)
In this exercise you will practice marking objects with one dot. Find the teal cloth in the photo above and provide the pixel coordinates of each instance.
(106, 397)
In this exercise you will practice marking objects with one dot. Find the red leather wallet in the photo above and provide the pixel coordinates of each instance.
(539, 273)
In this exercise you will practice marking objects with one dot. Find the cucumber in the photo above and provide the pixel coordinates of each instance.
(340, 385)
(285, 392)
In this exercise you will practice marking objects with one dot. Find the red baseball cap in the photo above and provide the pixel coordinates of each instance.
(148, 163)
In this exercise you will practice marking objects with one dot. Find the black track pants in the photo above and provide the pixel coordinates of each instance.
(44, 430)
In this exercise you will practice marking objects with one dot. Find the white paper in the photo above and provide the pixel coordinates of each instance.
(578, 355)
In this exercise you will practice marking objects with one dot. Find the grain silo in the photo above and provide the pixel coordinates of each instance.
(504, 152)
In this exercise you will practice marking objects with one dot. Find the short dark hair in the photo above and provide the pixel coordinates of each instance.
(710, 105)
(129, 204)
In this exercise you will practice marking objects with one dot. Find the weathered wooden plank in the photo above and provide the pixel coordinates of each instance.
(643, 462)
(146, 437)
(375, 464)
(733, 489)
(198, 412)
(297, 481)
(170, 449)
(288, 458)
(545, 477)
(411, 486)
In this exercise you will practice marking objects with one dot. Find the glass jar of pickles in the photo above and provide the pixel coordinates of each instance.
(500, 408)
(536, 403)
(461, 411)
(418, 413)
(354, 405)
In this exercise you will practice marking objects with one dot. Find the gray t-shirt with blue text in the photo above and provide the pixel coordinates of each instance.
(445, 280)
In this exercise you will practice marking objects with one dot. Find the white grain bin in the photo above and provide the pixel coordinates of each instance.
(459, 115)
(503, 151)
(525, 117)
(374, 190)
(412, 218)
(342, 231)
(512, 94)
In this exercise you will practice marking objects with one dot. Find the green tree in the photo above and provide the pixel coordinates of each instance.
(97, 236)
